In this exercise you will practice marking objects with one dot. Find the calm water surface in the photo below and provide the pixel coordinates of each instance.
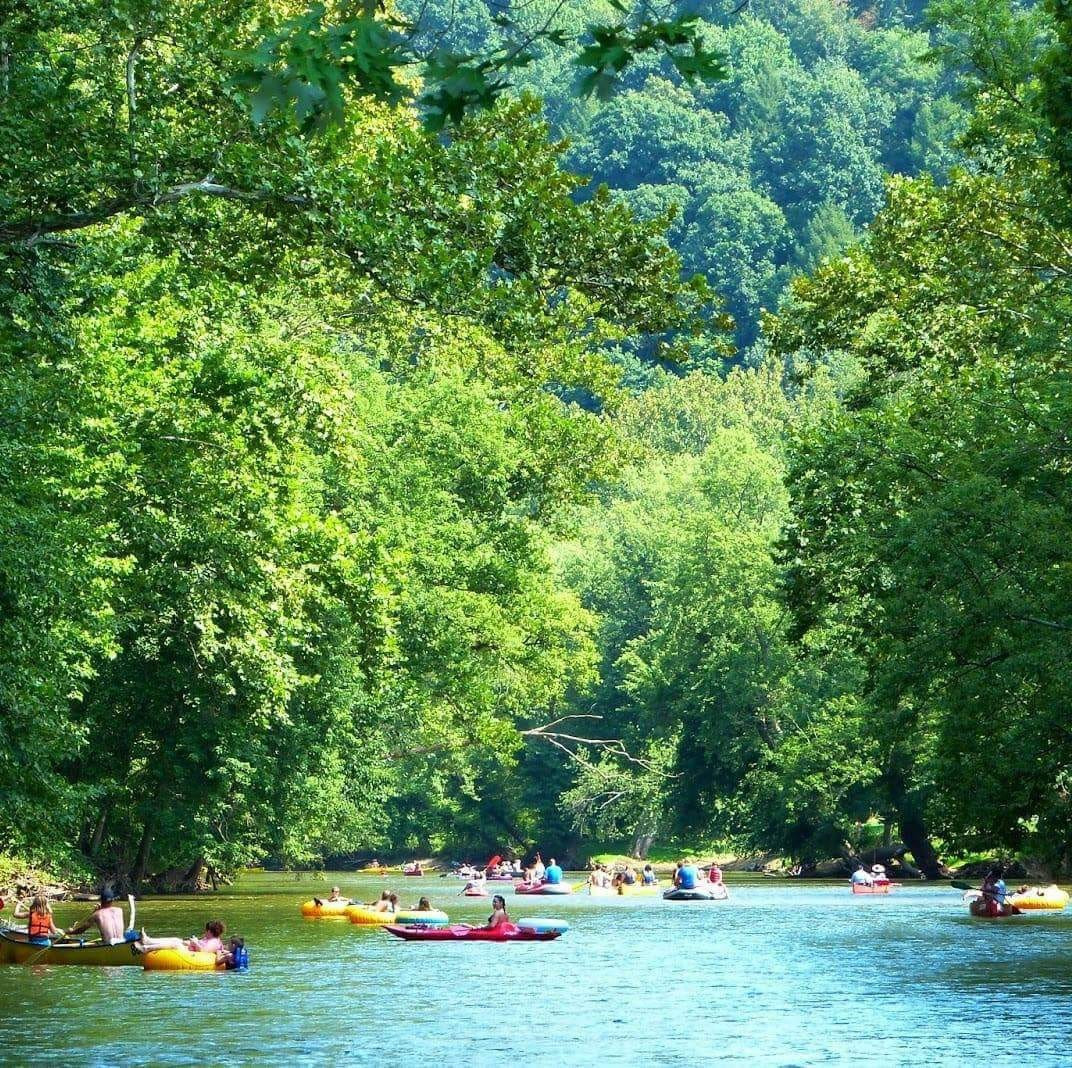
(782, 974)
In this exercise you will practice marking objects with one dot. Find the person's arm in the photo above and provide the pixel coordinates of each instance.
(22, 910)
(82, 925)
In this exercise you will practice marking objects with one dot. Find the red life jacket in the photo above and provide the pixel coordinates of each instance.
(39, 925)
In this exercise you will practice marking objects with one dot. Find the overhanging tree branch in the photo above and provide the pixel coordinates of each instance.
(30, 231)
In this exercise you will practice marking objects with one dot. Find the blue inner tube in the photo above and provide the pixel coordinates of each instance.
(541, 925)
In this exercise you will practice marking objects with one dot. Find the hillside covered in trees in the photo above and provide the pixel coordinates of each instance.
(365, 488)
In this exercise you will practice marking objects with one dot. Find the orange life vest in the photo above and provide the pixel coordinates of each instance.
(39, 925)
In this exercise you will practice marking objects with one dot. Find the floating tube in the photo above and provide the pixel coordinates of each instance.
(423, 917)
(548, 889)
(361, 914)
(1040, 899)
(542, 926)
(712, 893)
(326, 910)
(988, 909)
(180, 960)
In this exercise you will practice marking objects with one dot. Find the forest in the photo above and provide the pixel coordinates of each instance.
(533, 457)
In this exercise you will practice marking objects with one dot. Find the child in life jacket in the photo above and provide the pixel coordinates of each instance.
(40, 926)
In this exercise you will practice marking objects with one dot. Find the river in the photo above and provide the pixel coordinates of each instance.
(783, 974)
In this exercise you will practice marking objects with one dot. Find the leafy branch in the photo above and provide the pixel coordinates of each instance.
(306, 67)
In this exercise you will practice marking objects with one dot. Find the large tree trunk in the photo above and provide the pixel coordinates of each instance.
(145, 846)
(916, 837)
(98, 832)
(192, 876)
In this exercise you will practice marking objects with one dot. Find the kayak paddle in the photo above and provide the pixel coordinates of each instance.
(959, 884)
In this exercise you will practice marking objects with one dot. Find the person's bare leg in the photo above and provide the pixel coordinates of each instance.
(146, 944)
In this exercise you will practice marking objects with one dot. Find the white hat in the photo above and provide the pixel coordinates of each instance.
(876, 868)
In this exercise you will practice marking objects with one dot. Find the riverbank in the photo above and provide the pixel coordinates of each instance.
(19, 879)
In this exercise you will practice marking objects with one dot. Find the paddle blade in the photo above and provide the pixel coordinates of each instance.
(960, 884)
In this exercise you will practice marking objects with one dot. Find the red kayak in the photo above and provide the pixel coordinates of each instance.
(507, 932)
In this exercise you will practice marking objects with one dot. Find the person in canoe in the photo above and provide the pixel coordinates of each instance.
(108, 919)
(598, 877)
(629, 876)
(40, 925)
(686, 876)
(861, 877)
(714, 874)
(538, 870)
(878, 874)
(424, 905)
(552, 873)
(647, 876)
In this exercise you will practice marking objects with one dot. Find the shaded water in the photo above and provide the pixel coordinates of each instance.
(782, 974)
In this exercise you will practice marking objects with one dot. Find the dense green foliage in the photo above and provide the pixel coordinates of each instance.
(890, 640)
(327, 525)
(285, 453)
(772, 168)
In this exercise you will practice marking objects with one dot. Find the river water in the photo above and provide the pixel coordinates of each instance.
(782, 974)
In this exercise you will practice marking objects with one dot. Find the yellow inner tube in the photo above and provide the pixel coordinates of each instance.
(368, 917)
(180, 960)
(327, 910)
(1049, 897)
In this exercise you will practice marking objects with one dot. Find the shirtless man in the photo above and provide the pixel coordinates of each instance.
(108, 918)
